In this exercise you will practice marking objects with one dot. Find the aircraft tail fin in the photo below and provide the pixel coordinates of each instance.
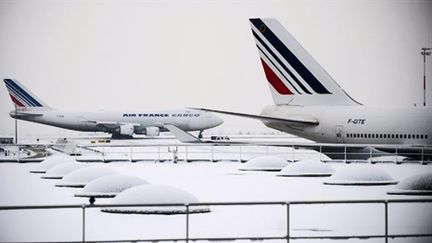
(294, 77)
(22, 98)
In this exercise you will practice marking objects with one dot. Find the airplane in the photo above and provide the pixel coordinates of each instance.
(308, 103)
(29, 107)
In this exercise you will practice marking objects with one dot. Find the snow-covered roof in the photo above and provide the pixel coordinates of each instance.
(60, 170)
(52, 161)
(110, 185)
(419, 184)
(80, 177)
(307, 167)
(265, 163)
(155, 194)
(360, 174)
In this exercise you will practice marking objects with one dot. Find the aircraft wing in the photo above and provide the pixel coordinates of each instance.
(181, 135)
(293, 121)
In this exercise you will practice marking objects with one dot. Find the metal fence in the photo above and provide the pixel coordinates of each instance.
(217, 152)
(288, 205)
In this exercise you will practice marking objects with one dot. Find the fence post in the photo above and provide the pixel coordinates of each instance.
(386, 220)
(288, 222)
(320, 153)
(422, 157)
(103, 153)
(186, 153)
(131, 154)
(293, 153)
(212, 153)
(240, 153)
(83, 223)
(187, 222)
(345, 153)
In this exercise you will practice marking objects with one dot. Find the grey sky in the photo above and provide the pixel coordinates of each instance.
(145, 55)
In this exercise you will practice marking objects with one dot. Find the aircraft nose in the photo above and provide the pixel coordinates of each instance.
(216, 120)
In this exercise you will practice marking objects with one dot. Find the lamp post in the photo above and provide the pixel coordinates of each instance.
(425, 51)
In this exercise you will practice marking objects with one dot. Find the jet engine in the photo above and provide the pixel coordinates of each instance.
(127, 130)
(152, 131)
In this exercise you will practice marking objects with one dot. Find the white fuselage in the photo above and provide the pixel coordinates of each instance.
(188, 120)
(356, 124)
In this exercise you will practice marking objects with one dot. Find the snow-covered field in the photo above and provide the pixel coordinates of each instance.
(212, 182)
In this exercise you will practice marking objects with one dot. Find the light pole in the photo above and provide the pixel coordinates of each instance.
(425, 51)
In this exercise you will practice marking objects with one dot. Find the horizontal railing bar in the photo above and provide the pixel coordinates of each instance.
(242, 238)
(13, 207)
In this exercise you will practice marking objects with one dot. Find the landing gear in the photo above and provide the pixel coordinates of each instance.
(200, 134)
(121, 136)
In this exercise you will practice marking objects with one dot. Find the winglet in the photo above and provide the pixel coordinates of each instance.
(181, 135)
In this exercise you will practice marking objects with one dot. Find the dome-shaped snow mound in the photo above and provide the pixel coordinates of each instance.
(80, 177)
(110, 185)
(52, 161)
(307, 167)
(155, 194)
(265, 163)
(58, 171)
(419, 184)
(360, 175)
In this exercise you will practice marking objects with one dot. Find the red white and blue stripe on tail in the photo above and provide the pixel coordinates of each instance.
(295, 78)
(21, 97)
(283, 69)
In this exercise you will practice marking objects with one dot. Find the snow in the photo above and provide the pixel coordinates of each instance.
(360, 174)
(307, 167)
(80, 177)
(265, 163)
(419, 184)
(155, 194)
(52, 161)
(62, 169)
(110, 185)
(212, 182)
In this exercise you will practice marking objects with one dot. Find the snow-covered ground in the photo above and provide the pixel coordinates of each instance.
(212, 182)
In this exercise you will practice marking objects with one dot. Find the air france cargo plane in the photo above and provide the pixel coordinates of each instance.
(120, 124)
(310, 104)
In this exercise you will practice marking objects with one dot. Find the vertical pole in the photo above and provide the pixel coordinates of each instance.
(320, 153)
(16, 126)
(187, 223)
(159, 157)
(386, 220)
(345, 154)
(424, 78)
(83, 223)
(240, 153)
(292, 153)
(288, 222)
(396, 155)
(422, 156)
(212, 153)
(103, 153)
(131, 154)
(425, 52)
(186, 151)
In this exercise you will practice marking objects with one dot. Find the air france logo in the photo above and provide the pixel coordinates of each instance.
(356, 121)
(160, 115)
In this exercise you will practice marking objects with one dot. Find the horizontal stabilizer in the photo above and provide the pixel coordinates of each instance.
(307, 122)
(181, 135)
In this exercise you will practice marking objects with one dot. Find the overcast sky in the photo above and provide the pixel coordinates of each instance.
(147, 55)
